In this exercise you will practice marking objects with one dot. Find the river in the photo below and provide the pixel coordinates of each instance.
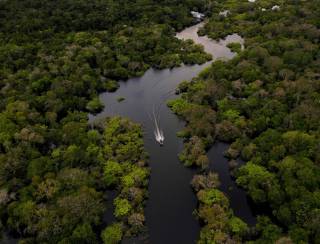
(171, 199)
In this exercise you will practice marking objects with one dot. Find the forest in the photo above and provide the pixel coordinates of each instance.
(55, 58)
(266, 103)
(55, 167)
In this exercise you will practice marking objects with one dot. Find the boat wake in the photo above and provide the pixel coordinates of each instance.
(158, 132)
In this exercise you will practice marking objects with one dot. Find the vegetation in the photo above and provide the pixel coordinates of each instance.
(126, 171)
(112, 234)
(120, 99)
(55, 57)
(66, 205)
(94, 106)
(220, 225)
(265, 102)
(234, 47)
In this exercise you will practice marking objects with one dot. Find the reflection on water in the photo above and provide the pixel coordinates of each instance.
(8, 239)
(237, 196)
(171, 200)
(216, 48)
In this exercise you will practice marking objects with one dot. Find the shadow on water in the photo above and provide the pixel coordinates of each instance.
(7, 238)
(239, 202)
(108, 216)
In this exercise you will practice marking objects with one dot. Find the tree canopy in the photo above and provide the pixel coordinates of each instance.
(265, 102)
(55, 57)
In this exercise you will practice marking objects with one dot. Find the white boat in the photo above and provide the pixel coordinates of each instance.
(197, 15)
(158, 133)
(159, 137)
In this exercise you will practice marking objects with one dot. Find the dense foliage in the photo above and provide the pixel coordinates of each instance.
(125, 169)
(55, 56)
(266, 102)
(220, 225)
(63, 199)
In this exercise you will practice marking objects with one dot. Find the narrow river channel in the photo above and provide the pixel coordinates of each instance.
(171, 200)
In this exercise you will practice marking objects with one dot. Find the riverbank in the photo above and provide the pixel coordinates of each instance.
(171, 200)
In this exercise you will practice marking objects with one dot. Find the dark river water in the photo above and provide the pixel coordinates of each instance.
(171, 199)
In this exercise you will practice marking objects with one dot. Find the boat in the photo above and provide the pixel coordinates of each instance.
(158, 133)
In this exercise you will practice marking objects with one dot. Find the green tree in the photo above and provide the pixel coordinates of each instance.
(112, 234)
(122, 207)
